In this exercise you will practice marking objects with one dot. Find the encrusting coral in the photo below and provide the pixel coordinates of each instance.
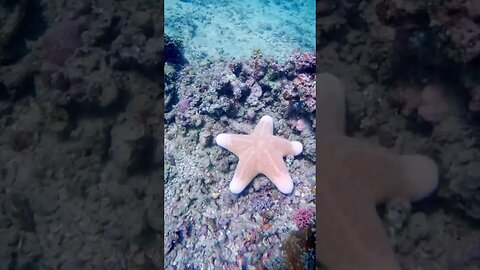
(352, 177)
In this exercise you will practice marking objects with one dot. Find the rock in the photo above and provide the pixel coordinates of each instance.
(19, 208)
(174, 51)
(20, 140)
(61, 40)
(142, 20)
(155, 220)
(434, 106)
(5, 108)
(462, 40)
(397, 212)
(474, 104)
(11, 18)
(418, 228)
(59, 121)
(129, 141)
(473, 9)
(326, 7)
(109, 94)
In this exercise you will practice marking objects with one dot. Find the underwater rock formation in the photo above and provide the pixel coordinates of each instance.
(173, 51)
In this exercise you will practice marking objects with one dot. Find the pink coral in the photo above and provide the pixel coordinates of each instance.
(434, 106)
(304, 62)
(304, 217)
(299, 124)
(183, 105)
(430, 103)
(305, 86)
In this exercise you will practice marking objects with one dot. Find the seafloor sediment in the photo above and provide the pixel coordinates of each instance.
(218, 30)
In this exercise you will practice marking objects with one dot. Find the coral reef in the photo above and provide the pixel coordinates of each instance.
(235, 88)
(81, 122)
(78, 132)
(203, 100)
(430, 103)
(173, 51)
(410, 68)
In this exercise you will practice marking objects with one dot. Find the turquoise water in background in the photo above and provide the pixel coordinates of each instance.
(225, 29)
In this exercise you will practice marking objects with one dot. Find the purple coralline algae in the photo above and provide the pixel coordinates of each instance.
(62, 39)
(303, 217)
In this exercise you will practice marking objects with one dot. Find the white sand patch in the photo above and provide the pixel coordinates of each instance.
(233, 29)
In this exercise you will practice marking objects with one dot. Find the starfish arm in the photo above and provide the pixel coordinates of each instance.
(389, 175)
(351, 236)
(420, 176)
(244, 173)
(264, 126)
(286, 147)
(386, 174)
(330, 104)
(234, 143)
(273, 167)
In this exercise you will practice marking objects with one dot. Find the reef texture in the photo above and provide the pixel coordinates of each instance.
(410, 69)
(81, 101)
(206, 225)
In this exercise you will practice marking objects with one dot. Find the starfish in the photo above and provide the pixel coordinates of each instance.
(352, 177)
(260, 153)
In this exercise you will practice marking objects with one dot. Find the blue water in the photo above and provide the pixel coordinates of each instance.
(225, 29)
